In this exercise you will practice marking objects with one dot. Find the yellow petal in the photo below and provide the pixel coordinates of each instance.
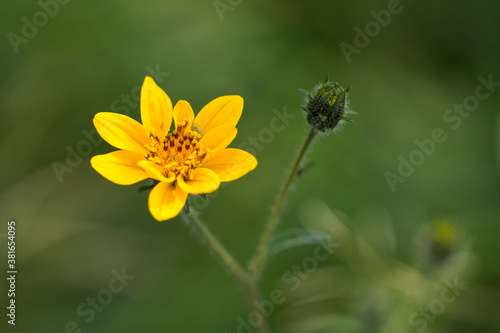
(183, 110)
(230, 164)
(220, 111)
(155, 171)
(120, 167)
(219, 138)
(166, 201)
(121, 131)
(204, 181)
(156, 108)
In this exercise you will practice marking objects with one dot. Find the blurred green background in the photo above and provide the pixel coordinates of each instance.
(397, 248)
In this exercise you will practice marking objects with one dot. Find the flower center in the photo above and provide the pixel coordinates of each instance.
(179, 153)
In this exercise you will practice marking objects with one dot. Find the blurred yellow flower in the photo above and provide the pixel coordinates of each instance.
(445, 237)
(191, 159)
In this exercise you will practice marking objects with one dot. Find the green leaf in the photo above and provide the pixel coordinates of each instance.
(295, 237)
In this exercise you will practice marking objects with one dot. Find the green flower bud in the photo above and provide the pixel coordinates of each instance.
(326, 106)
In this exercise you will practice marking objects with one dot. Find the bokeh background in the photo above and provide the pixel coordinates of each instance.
(397, 249)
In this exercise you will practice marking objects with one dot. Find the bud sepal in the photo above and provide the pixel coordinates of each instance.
(326, 106)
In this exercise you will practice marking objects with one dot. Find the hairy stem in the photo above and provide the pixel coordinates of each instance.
(259, 259)
(231, 264)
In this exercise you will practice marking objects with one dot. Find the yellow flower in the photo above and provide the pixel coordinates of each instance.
(191, 159)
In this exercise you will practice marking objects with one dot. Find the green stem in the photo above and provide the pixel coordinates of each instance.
(231, 264)
(254, 300)
(259, 259)
(214, 244)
